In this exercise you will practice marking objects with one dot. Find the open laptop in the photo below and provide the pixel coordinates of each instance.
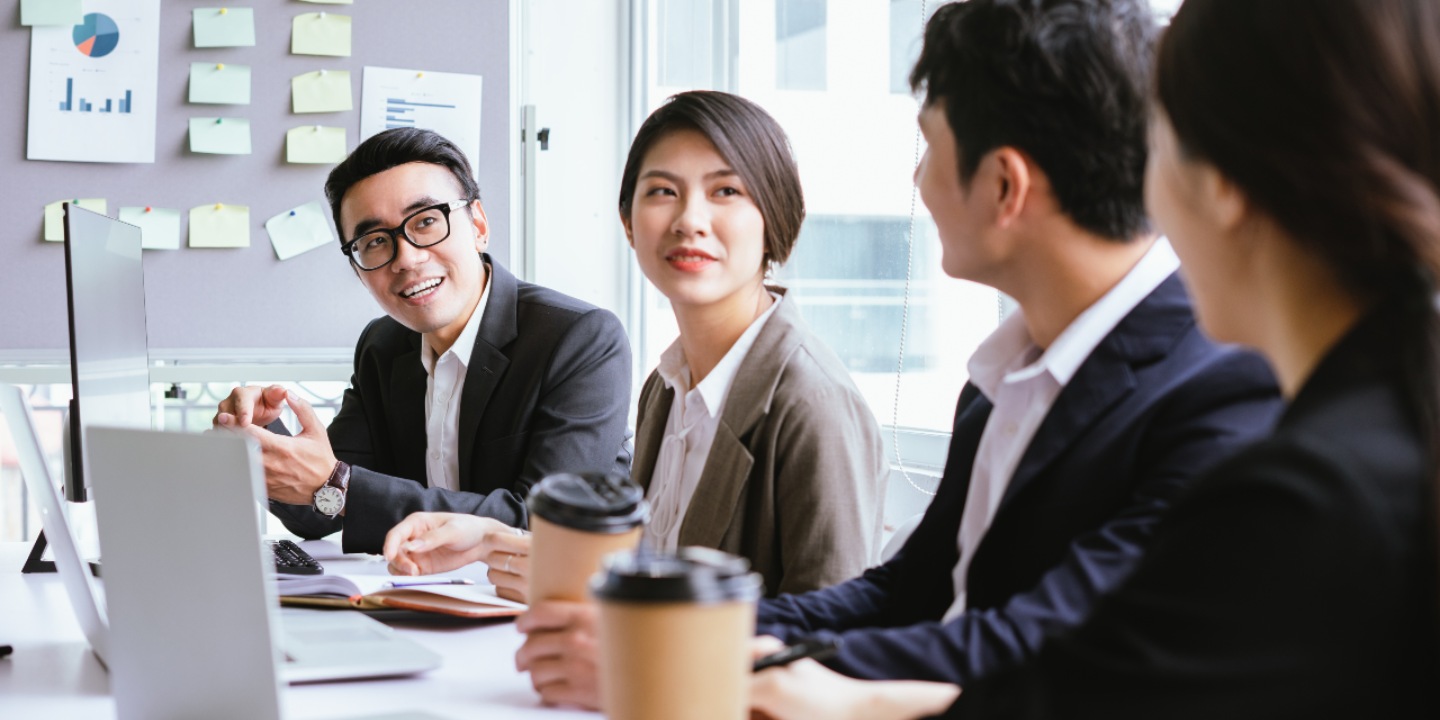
(193, 621)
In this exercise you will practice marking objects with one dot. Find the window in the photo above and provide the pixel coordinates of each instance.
(800, 44)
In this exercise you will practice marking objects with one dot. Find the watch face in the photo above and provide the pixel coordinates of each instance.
(329, 500)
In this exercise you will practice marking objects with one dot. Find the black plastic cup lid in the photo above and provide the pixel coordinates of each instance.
(590, 502)
(691, 575)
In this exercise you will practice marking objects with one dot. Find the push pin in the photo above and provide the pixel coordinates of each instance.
(317, 129)
(322, 72)
(218, 120)
(219, 206)
(419, 74)
(292, 213)
(224, 10)
(322, 14)
(219, 66)
(147, 208)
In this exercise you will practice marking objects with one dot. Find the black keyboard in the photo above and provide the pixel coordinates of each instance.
(291, 559)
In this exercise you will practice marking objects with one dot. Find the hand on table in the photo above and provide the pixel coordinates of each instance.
(426, 543)
(560, 652)
(806, 689)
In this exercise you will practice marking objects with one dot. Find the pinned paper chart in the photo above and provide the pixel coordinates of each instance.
(159, 227)
(220, 136)
(93, 85)
(224, 27)
(448, 103)
(322, 91)
(322, 33)
(315, 144)
(220, 226)
(55, 215)
(219, 83)
(299, 230)
(51, 12)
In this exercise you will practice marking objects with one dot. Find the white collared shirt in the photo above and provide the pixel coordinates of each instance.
(690, 430)
(446, 380)
(1022, 381)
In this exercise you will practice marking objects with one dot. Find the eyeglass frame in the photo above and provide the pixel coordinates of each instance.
(398, 233)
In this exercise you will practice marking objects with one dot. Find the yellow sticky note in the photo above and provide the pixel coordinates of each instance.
(51, 12)
(55, 215)
(224, 27)
(322, 91)
(315, 144)
(220, 136)
(220, 226)
(321, 33)
(299, 230)
(220, 83)
(159, 227)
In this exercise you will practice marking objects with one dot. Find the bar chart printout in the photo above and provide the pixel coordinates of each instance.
(93, 85)
(448, 103)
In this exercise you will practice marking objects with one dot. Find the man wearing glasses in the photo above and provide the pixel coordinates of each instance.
(472, 388)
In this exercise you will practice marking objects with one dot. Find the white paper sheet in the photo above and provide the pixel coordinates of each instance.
(448, 103)
(93, 85)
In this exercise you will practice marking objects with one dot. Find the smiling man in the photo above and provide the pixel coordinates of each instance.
(473, 387)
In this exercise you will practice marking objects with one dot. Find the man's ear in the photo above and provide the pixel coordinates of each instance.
(1011, 184)
(481, 224)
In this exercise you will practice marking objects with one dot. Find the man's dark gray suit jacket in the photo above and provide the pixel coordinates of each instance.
(547, 390)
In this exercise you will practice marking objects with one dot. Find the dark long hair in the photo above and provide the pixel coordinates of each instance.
(1327, 115)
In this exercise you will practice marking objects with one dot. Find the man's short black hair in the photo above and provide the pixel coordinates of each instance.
(1065, 81)
(393, 148)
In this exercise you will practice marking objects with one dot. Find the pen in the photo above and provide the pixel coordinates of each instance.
(415, 583)
(815, 648)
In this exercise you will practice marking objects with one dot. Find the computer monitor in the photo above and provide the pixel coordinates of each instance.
(109, 362)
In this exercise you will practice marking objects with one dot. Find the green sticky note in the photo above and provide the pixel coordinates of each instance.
(299, 230)
(55, 215)
(51, 12)
(159, 227)
(219, 83)
(224, 27)
(220, 226)
(220, 136)
(322, 91)
(321, 33)
(315, 144)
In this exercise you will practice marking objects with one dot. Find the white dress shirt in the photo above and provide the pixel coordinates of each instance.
(446, 380)
(690, 430)
(1022, 381)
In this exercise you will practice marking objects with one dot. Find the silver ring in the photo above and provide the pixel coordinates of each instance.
(508, 558)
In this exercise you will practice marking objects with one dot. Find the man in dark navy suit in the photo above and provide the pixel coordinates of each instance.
(1091, 407)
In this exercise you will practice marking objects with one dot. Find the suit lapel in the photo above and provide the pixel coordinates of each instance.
(1105, 378)
(407, 411)
(487, 361)
(654, 408)
(713, 508)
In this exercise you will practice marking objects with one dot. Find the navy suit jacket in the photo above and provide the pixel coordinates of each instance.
(1152, 406)
(547, 390)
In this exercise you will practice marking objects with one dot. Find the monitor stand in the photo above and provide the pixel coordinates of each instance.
(34, 563)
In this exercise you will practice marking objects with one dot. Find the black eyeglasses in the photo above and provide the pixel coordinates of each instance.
(425, 227)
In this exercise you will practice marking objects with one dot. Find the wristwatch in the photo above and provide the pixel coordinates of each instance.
(330, 498)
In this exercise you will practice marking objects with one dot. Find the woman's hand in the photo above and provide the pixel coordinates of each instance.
(427, 543)
(806, 689)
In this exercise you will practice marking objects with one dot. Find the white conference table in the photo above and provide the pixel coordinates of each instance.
(53, 675)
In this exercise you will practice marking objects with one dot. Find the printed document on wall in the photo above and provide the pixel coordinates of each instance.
(448, 103)
(93, 85)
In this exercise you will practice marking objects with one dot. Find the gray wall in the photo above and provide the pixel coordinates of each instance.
(216, 300)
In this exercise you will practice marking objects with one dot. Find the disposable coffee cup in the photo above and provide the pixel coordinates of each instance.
(575, 521)
(674, 635)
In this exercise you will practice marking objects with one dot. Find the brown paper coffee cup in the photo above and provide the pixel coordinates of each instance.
(562, 560)
(575, 520)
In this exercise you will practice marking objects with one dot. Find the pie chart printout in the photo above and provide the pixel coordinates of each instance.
(97, 36)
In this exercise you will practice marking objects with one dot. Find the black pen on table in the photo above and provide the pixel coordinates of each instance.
(813, 648)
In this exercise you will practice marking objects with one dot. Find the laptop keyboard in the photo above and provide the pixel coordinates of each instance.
(291, 559)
